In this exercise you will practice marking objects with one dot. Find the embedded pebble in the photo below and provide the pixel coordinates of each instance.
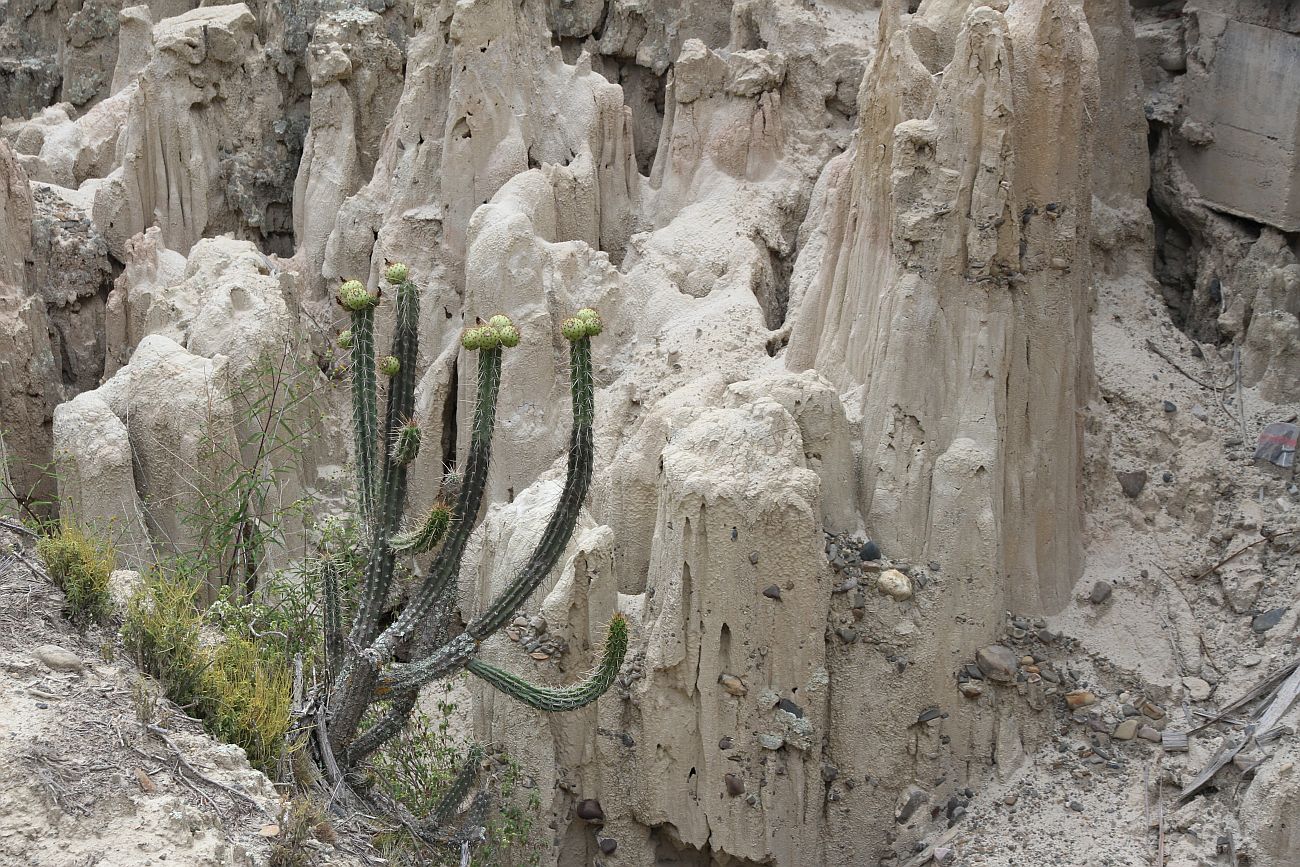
(1100, 592)
(1080, 698)
(1198, 689)
(997, 662)
(733, 685)
(894, 584)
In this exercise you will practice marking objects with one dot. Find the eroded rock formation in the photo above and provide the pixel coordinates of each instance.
(853, 259)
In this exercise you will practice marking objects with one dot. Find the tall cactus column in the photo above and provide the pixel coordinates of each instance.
(361, 673)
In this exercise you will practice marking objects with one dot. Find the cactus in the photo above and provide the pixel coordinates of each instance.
(362, 675)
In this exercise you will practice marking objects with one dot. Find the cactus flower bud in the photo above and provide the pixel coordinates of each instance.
(509, 336)
(500, 321)
(573, 329)
(397, 273)
(472, 339)
(490, 338)
(345, 339)
(353, 295)
(389, 365)
(591, 321)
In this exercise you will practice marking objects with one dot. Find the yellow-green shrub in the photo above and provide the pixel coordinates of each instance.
(239, 691)
(162, 628)
(245, 700)
(80, 565)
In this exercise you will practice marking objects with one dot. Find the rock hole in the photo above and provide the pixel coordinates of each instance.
(447, 446)
(643, 93)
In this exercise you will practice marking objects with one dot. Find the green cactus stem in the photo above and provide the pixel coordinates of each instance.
(360, 668)
(559, 529)
(569, 698)
(365, 415)
(391, 495)
(446, 564)
(406, 445)
(555, 537)
(445, 810)
(427, 535)
(331, 568)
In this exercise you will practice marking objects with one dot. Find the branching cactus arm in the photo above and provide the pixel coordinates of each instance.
(391, 495)
(356, 299)
(553, 700)
(360, 671)
(555, 537)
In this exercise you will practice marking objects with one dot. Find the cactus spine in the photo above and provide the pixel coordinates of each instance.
(362, 671)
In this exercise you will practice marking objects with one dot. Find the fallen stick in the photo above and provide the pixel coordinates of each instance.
(17, 528)
(1269, 683)
(1234, 555)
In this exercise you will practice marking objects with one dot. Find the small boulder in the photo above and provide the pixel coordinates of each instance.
(1100, 592)
(911, 798)
(895, 585)
(56, 658)
(1078, 698)
(997, 662)
(735, 785)
(1262, 623)
(589, 810)
(1197, 689)
(733, 685)
(1132, 482)
(1125, 731)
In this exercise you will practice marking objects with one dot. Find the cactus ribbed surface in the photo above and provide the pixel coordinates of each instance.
(362, 675)
(567, 698)
(425, 537)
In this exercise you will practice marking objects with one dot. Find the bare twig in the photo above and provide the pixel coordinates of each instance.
(1241, 399)
(1266, 685)
(1158, 351)
(1234, 555)
(17, 528)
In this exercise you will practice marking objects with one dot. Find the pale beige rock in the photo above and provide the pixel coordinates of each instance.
(134, 45)
(895, 585)
(96, 481)
(30, 383)
(932, 459)
(151, 269)
(198, 154)
(355, 85)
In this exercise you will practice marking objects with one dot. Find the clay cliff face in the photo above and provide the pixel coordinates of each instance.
(867, 270)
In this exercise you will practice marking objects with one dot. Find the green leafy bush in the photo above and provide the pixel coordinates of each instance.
(80, 565)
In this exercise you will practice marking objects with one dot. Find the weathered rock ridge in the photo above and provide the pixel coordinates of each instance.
(913, 272)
